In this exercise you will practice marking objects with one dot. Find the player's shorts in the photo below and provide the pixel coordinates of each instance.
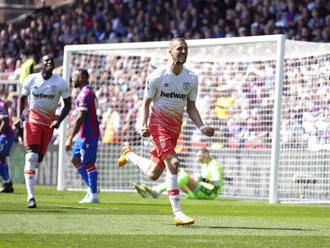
(86, 149)
(204, 191)
(6, 142)
(164, 142)
(37, 134)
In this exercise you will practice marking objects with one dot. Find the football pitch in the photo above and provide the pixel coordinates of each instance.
(127, 220)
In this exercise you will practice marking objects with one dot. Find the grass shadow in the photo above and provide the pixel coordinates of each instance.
(259, 228)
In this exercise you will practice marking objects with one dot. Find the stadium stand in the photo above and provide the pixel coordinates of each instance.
(84, 22)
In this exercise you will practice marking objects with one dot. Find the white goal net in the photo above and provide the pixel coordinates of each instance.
(272, 139)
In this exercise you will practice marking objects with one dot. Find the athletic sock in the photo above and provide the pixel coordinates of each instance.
(3, 172)
(92, 179)
(140, 162)
(83, 173)
(171, 181)
(6, 177)
(30, 173)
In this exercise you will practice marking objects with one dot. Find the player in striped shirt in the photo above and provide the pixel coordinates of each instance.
(44, 91)
(85, 146)
(6, 142)
(171, 89)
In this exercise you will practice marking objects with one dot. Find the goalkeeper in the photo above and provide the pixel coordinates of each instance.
(208, 186)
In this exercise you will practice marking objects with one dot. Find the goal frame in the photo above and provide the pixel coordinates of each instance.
(280, 49)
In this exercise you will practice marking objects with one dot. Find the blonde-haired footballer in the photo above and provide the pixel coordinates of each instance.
(170, 89)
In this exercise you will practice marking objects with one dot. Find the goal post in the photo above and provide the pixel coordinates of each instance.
(273, 190)
(258, 120)
(62, 156)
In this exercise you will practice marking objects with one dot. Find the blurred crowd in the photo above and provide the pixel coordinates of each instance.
(99, 21)
(238, 102)
(235, 97)
(238, 98)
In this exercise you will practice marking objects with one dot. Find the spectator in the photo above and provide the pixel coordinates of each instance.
(28, 64)
(326, 35)
(10, 65)
(2, 65)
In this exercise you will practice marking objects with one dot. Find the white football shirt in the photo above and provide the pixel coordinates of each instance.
(170, 93)
(44, 96)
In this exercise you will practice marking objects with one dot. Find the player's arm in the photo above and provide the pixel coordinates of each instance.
(32, 69)
(78, 122)
(4, 124)
(65, 111)
(145, 132)
(196, 118)
(21, 105)
(206, 180)
(215, 173)
(149, 94)
(4, 117)
(215, 181)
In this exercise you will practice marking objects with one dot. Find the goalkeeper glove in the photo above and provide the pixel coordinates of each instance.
(203, 179)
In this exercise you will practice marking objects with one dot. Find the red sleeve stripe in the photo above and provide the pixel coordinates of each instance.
(173, 192)
(79, 165)
(91, 169)
(29, 172)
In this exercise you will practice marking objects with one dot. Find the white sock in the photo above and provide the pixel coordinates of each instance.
(31, 159)
(171, 181)
(140, 162)
(8, 165)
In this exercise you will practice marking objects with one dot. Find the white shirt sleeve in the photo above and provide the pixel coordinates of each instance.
(194, 91)
(65, 90)
(27, 85)
(152, 85)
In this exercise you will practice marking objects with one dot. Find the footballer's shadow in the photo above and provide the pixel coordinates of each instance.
(249, 228)
(30, 211)
(259, 228)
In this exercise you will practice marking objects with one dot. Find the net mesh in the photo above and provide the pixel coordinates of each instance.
(305, 133)
(236, 96)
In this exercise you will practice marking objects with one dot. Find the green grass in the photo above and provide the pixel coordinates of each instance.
(127, 220)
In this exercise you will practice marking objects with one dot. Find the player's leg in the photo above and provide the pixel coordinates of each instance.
(31, 159)
(156, 190)
(82, 172)
(5, 146)
(171, 181)
(204, 191)
(144, 190)
(154, 171)
(150, 168)
(164, 142)
(88, 158)
(7, 186)
(46, 137)
(186, 183)
(141, 190)
(172, 164)
(76, 160)
(32, 141)
(36, 140)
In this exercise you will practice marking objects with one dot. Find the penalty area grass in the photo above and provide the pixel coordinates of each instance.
(127, 220)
